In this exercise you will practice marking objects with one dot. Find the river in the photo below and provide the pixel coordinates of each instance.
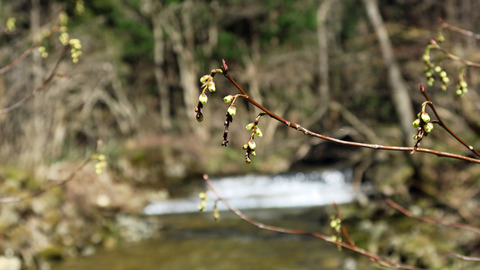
(191, 240)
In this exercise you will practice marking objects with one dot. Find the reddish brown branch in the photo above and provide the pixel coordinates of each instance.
(375, 258)
(339, 141)
(444, 126)
(432, 220)
(459, 30)
(62, 182)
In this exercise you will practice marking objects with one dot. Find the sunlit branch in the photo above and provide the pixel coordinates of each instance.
(343, 142)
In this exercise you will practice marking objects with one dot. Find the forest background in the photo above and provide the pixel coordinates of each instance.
(318, 63)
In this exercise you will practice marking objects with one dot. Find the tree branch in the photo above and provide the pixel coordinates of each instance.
(375, 258)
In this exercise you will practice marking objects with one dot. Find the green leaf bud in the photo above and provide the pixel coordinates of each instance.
(249, 126)
(228, 99)
(415, 137)
(425, 117)
(416, 123)
(200, 118)
(428, 127)
(203, 98)
(232, 110)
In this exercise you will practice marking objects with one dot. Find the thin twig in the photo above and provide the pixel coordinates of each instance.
(29, 51)
(344, 229)
(454, 57)
(466, 258)
(62, 182)
(45, 83)
(432, 220)
(459, 30)
(444, 126)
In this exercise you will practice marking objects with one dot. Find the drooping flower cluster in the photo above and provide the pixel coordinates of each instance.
(251, 145)
(423, 124)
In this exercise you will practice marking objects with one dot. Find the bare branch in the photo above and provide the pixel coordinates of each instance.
(432, 220)
(373, 257)
(62, 182)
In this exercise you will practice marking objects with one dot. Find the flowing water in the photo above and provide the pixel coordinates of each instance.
(195, 241)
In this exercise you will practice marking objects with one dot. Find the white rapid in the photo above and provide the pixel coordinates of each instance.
(302, 189)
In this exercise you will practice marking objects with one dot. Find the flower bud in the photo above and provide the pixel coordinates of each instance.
(232, 110)
(249, 126)
(430, 81)
(415, 137)
(426, 58)
(203, 98)
(443, 74)
(258, 132)
(245, 146)
(425, 117)
(205, 78)
(252, 144)
(416, 123)
(228, 99)
(200, 118)
(253, 153)
(463, 84)
(445, 80)
(438, 69)
(211, 86)
(428, 127)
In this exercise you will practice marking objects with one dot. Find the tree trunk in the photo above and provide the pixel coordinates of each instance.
(323, 68)
(400, 96)
(159, 58)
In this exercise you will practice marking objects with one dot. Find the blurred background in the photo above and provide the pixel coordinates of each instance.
(346, 69)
